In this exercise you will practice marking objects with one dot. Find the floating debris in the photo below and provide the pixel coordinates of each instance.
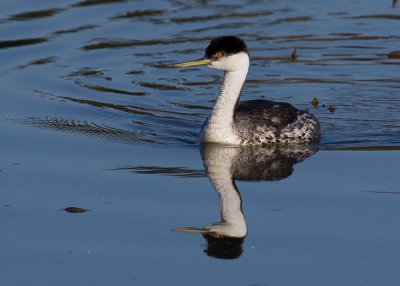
(293, 56)
(315, 102)
(332, 108)
(75, 210)
(394, 55)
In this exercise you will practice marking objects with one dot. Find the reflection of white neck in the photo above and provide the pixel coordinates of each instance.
(218, 165)
(218, 127)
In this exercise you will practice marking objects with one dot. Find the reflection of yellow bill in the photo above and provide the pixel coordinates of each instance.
(201, 62)
(191, 229)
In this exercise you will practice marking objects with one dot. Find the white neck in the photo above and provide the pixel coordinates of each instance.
(218, 127)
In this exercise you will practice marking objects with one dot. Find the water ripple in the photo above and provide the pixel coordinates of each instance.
(109, 89)
(116, 80)
(5, 44)
(96, 2)
(26, 16)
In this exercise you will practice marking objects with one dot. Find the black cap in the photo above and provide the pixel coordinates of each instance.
(225, 46)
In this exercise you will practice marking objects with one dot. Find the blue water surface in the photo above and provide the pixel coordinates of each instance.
(93, 116)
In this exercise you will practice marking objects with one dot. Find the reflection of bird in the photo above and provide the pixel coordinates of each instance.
(253, 122)
(224, 165)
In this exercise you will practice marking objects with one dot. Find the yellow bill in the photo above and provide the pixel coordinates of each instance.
(191, 230)
(200, 62)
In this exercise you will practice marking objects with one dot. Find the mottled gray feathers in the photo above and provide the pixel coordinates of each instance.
(263, 122)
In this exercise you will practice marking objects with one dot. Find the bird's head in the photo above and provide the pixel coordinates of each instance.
(227, 53)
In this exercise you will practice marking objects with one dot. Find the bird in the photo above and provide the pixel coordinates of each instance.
(252, 122)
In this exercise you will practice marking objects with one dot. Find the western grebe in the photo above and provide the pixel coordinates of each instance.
(253, 122)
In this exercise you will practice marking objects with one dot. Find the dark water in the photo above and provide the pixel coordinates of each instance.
(93, 116)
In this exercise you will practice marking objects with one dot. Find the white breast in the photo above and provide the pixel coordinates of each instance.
(217, 133)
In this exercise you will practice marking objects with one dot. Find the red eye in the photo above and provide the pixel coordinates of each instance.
(218, 55)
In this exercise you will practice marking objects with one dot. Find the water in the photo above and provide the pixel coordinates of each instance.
(92, 115)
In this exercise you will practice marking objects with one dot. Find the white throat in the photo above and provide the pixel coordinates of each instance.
(218, 127)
